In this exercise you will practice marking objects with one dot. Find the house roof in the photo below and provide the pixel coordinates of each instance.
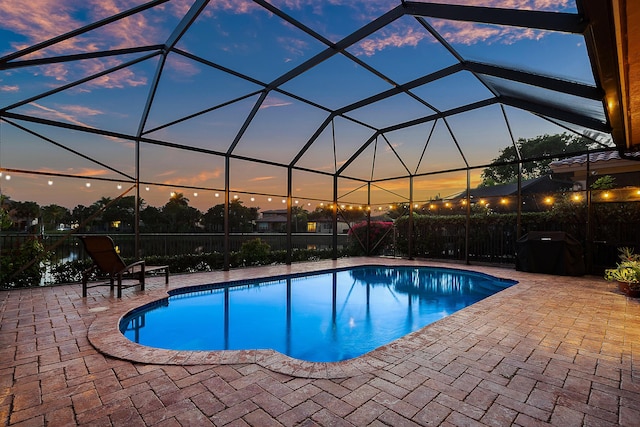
(593, 158)
(543, 183)
(273, 219)
(275, 212)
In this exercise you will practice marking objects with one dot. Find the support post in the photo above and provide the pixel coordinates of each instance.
(410, 229)
(335, 217)
(227, 244)
(467, 227)
(367, 236)
(289, 212)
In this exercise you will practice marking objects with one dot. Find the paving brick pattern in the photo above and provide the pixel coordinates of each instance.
(547, 351)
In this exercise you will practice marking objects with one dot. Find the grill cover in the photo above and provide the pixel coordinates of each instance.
(550, 252)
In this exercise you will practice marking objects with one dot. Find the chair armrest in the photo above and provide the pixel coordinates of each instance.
(131, 268)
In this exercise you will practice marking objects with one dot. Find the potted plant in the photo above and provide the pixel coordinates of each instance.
(626, 273)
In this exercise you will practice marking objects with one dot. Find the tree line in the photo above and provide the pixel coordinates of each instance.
(176, 216)
(112, 215)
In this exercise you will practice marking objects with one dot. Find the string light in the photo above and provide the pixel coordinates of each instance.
(7, 177)
(146, 188)
(50, 182)
(195, 194)
(253, 199)
(88, 184)
(269, 199)
(216, 195)
(119, 186)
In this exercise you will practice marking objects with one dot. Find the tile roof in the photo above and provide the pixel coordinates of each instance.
(593, 157)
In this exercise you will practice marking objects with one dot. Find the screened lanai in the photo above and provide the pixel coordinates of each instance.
(279, 104)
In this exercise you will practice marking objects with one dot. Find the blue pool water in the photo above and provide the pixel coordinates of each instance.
(320, 317)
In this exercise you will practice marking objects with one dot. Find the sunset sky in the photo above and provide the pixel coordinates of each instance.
(260, 47)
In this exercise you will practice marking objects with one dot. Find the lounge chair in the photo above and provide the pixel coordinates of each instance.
(107, 260)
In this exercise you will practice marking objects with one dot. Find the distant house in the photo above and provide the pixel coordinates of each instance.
(272, 221)
(325, 226)
(625, 172)
(533, 192)
(275, 221)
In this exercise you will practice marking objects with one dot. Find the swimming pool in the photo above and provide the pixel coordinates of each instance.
(320, 317)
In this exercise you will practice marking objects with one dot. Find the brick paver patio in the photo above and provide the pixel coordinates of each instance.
(549, 350)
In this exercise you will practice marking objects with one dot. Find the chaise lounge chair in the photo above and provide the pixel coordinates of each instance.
(107, 260)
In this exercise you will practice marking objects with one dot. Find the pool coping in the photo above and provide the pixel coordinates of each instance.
(104, 334)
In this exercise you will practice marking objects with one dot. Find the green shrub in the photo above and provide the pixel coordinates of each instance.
(255, 252)
(23, 266)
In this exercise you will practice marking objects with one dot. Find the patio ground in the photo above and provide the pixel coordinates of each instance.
(549, 350)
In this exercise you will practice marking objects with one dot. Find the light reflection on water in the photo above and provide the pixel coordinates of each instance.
(324, 317)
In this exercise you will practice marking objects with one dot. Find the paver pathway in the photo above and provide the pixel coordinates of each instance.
(550, 350)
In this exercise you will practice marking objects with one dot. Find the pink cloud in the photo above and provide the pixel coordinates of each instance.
(294, 46)
(274, 102)
(235, 6)
(182, 67)
(92, 172)
(385, 39)
(80, 110)
(548, 5)
(44, 19)
(60, 115)
(198, 179)
(7, 88)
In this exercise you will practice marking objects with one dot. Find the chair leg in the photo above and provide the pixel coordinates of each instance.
(84, 285)
(119, 285)
(166, 276)
(142, 274)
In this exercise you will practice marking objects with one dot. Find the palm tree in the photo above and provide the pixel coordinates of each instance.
(53, 214)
